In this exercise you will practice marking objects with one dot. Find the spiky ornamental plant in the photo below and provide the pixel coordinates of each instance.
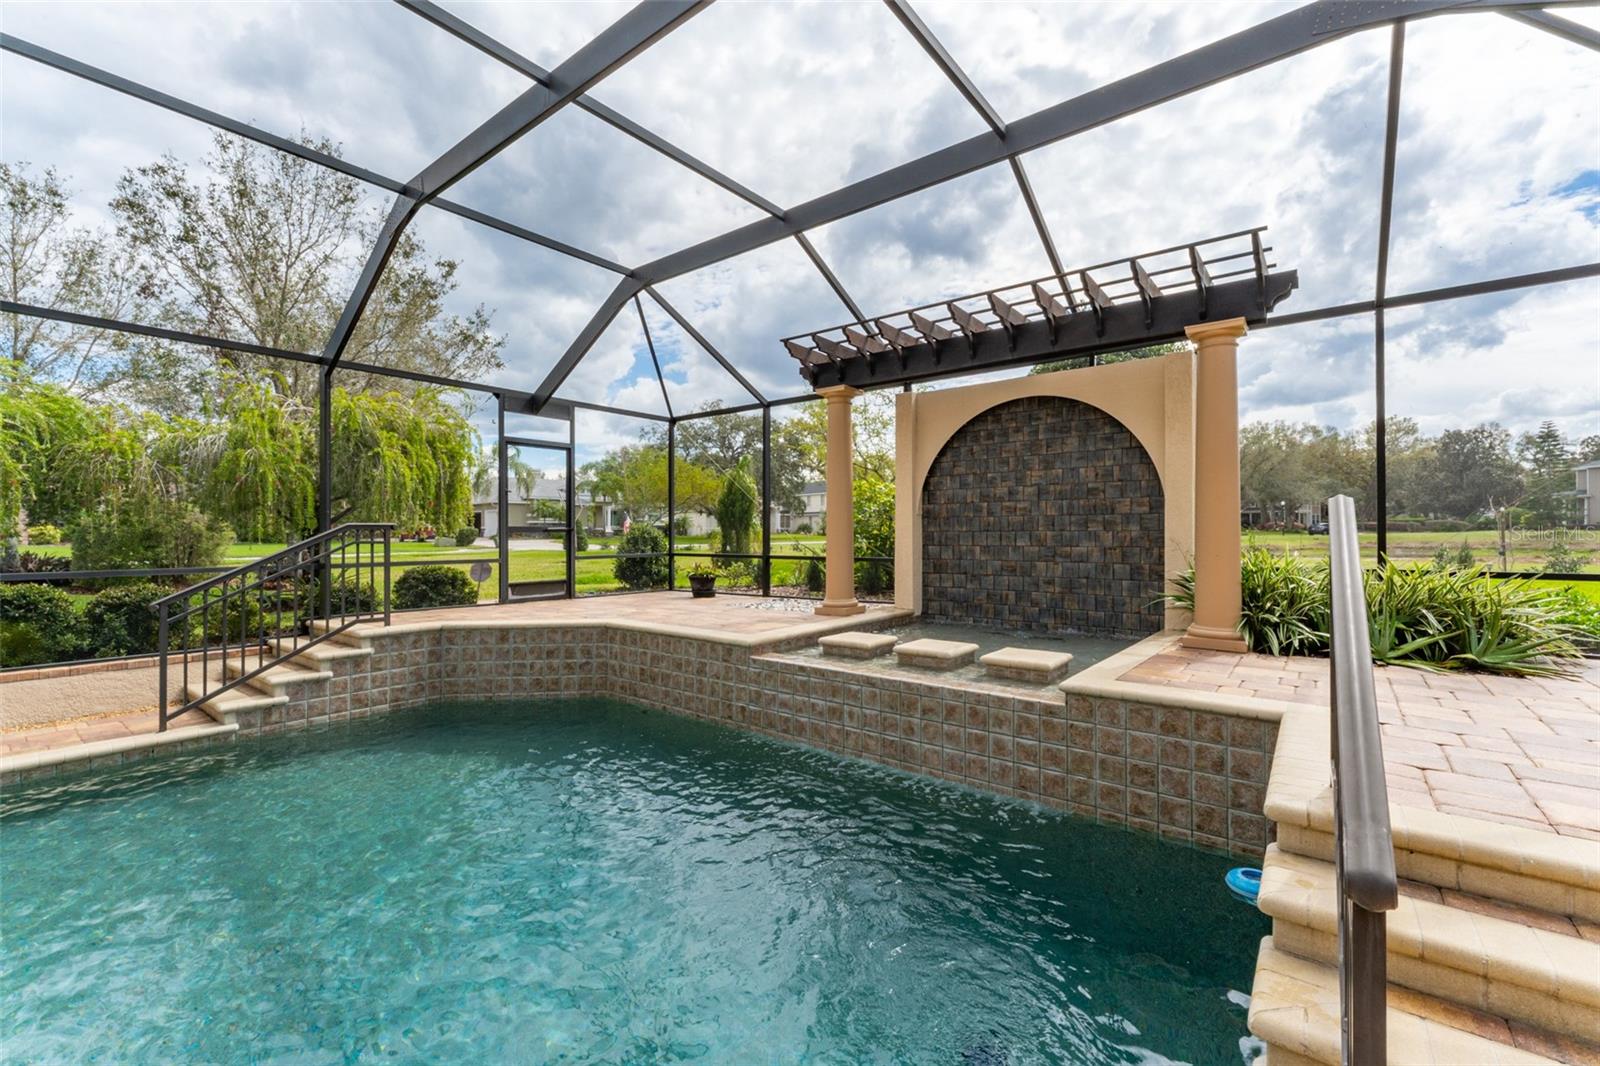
(1418, 616)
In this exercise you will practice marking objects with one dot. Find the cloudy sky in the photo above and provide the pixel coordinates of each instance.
(1498, 174)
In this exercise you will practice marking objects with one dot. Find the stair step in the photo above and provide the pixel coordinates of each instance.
(1294, 1007)
(275, 678)
(326, 652)
(1524, 867)
(225, 707)
(348, 637)
(1490, 962)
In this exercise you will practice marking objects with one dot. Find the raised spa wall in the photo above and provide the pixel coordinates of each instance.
(1184, 774)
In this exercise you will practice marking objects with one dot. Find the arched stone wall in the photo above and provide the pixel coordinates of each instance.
(1044, 514)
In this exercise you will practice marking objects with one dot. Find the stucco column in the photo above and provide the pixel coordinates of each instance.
(1216, 490)
(839, 595)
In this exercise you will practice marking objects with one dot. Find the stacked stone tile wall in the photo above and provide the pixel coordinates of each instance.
(1044, 514)
(1183, 774)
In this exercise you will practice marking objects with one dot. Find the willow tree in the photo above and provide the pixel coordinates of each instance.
(255, 465)
(403, 459)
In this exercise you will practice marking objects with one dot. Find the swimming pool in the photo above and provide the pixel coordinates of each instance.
(590, 881)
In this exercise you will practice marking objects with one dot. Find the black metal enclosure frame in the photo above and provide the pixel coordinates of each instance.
(569, 84)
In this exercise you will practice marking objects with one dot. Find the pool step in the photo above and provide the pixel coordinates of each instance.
(1524, 966)
(935, 654)
(274, 680)
(1032, 666)
(271, 688)
(1521, 867)
(857, 644)
(227, 706)
(349, 638)
(1294, 1008)
(317, 655)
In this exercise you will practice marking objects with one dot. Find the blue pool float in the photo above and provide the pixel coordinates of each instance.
(1245, 883)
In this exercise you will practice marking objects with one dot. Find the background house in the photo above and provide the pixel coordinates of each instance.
(544, 502)
(1586, 494)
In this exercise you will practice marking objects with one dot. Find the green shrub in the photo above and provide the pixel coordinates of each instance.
(44, 533)
(38, 624)
(816, 574)
(150, 532)
(872, 501)
(1581, 616)
(34, 563)
(648, 569)
(582, 538)
(1460, 559)
(434, 586)
(1423, 616)
(466, 536)
(737, 510)
(347, 596)
(119, 620)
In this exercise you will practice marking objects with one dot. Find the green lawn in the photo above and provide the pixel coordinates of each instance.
(1484, 544)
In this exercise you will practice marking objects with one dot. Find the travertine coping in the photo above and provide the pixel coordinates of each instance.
(1102, 679)
(1027, 664)
(94, 749)
(857, 644)
(1300, 796)
(1539, 976)
(935, 654)
(800, 633)
(1294, 1007)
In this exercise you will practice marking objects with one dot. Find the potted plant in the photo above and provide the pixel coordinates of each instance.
(702, 580)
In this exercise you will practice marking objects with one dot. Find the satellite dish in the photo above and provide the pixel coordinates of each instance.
(480, 571)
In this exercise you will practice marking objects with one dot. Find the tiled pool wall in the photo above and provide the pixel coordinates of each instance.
(1183, 774)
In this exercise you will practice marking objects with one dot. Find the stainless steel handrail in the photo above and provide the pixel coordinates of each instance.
(1363, 848)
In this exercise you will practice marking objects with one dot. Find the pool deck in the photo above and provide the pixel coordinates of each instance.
(1517, 751)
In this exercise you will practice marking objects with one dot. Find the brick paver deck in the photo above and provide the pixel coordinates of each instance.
(100, 727)
(1518, 751)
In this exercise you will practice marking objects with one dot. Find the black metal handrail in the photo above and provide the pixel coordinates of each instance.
(1363, 849)
(264, 612)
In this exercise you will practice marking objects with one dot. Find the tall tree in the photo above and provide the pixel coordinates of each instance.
(1472, 473)
(50, 262)
(1547, 475)
(262, 246)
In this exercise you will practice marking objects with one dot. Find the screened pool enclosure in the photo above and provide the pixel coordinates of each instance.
(668, 218)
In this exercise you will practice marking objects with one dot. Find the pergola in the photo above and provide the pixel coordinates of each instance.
(1018, 325)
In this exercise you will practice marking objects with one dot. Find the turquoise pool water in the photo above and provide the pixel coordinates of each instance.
(593, 882)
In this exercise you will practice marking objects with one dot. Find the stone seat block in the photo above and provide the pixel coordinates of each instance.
(1027, 664)
(935, 654)
(857, 645)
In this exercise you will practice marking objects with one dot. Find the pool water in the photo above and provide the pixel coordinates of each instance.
(588, 881)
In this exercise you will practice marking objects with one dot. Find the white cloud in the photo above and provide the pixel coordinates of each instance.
(1514, 358)
(394, 90)
(1486, 149)
(796, 99)
(793, 99)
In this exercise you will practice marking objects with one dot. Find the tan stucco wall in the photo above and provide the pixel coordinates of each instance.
(1153, 398)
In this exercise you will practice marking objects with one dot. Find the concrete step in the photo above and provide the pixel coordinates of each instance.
(226, 707)
(316, 656)
(1521, 965)
(1294, 1008)
(1519, 866)
(348, 638)
(274, 680)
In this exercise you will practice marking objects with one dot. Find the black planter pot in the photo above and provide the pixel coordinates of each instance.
(702, 586)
